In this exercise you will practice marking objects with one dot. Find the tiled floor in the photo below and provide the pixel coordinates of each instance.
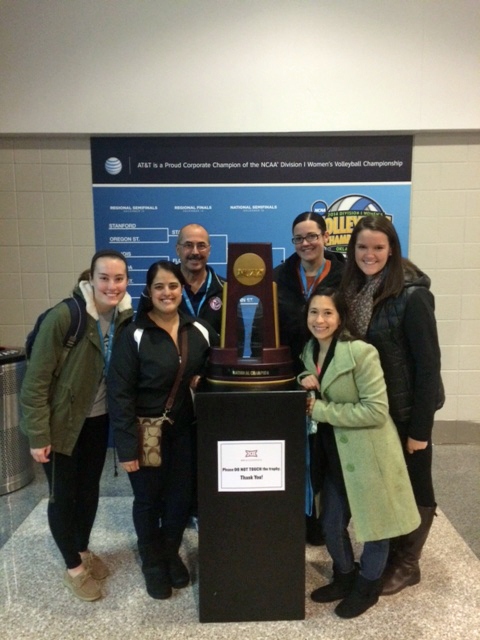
(456, 479)
(34, 604)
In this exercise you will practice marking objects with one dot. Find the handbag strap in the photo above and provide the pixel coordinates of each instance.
(181, 369)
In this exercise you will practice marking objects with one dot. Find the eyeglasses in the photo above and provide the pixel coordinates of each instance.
(310, 237)
(201, 246)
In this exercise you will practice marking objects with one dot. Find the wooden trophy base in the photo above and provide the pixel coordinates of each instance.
(273, 367)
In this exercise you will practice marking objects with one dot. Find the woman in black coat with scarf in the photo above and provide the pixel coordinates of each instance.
(391, 306)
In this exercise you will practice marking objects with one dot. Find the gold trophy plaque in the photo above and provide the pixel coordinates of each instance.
(249, 273)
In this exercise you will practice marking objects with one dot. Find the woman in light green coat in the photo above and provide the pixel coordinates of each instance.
(363, 468)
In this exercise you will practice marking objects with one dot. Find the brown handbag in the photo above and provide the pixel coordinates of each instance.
(149, 430)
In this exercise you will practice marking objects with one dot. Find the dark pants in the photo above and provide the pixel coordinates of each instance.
(165, 493)
(419, 466)
(335, 518)
(74, 488)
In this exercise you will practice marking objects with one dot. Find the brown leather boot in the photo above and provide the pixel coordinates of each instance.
(404, 570)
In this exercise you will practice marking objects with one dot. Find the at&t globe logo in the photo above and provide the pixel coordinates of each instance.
(113, 166)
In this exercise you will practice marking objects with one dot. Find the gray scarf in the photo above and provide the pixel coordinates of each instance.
(360, 303)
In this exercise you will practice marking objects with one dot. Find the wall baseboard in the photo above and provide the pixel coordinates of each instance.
(456, 432)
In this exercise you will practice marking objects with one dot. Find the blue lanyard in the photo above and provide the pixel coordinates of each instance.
(308, 290)
(188, 302)
(107, 350)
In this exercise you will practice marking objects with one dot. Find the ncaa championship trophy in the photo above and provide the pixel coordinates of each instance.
(249, 273)
(251, 460)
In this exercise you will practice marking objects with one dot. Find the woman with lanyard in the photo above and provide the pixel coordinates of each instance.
(296, 279)
(300, 274)
(64, 413)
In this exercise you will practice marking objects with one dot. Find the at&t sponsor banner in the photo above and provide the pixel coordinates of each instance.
(241, 189)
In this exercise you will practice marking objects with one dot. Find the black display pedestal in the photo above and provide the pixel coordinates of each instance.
(251, 543)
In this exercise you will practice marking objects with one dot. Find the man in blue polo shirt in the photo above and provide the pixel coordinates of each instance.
(202, 295)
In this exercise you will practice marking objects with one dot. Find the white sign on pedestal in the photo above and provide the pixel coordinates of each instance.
(251, 465)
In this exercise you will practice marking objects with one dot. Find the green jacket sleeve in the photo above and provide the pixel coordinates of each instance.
(39, 380)
(305, 360)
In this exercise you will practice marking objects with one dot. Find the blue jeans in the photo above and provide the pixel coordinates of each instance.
(335, 518)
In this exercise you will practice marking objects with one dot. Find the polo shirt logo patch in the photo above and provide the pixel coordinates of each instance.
(215, 303)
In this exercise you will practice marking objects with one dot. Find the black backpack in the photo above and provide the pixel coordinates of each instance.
(76, 330)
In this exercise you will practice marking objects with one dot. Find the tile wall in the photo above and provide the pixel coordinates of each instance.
(445, 242)
(46, 226)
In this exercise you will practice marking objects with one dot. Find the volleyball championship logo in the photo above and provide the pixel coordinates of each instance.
(342, 216)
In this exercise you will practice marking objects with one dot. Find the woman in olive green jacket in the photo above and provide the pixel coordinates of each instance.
(64, 413)
(364, 471)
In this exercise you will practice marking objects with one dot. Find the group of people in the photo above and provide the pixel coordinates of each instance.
(362, 334)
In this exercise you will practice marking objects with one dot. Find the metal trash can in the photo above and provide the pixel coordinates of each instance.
(16, 463)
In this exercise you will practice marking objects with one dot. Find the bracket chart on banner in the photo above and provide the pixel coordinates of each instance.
(241, 189)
